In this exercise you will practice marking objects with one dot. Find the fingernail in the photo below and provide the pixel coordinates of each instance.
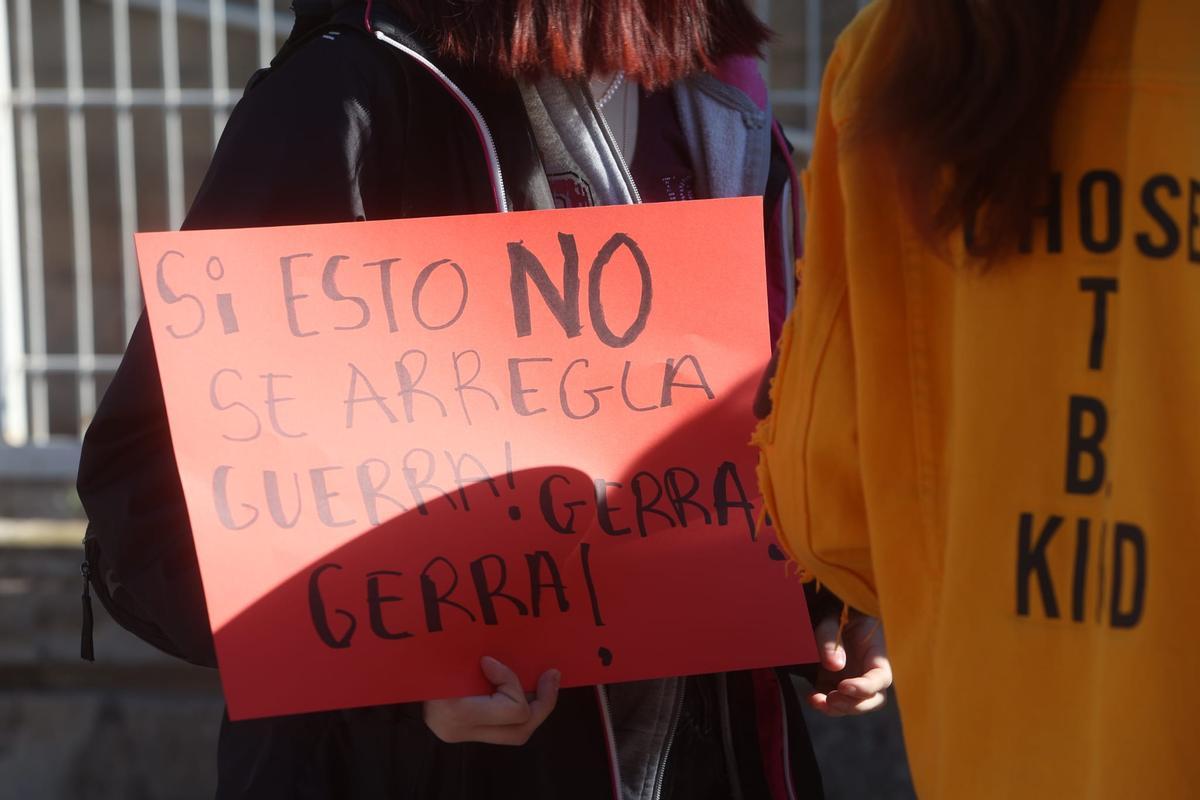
(851, 691)
(556, 676)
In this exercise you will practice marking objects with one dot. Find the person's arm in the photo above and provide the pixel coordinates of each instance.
(814, 436)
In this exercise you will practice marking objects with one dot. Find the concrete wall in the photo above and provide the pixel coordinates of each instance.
(134, 725)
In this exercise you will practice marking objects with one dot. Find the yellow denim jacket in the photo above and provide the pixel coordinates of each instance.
(1005, 464)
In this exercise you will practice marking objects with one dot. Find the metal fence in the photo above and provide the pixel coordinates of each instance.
(108, 112)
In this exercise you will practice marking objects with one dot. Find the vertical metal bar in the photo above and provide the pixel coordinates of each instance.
(763, 9)
(126, 163)
(266, 32)
(172, 119)
(14, 413)
(81, 230)
(31, 207)
(813, 60)
(219, 60)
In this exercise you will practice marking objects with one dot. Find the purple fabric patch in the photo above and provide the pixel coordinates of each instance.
(742, 73)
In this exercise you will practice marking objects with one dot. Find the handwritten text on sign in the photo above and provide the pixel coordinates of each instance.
(408, 444)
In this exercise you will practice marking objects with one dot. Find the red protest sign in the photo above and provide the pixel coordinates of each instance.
(408, 444)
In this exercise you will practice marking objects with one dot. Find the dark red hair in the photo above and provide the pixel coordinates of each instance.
(655, 41)
(967, 107)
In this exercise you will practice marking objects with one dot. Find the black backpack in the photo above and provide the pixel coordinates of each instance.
(149, 580)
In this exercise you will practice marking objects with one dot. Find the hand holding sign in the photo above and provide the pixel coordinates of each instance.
(406, 445)
(504, 717)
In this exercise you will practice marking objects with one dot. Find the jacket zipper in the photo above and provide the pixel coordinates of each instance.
(616, 151)
(610, 740)
(87, 650)
(481, 126)
(661, 779)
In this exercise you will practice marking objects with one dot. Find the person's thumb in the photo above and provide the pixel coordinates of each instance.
(833, 655)
(547, 695)
(504, 679)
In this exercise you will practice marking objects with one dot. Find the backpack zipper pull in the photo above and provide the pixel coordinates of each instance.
(86, 645)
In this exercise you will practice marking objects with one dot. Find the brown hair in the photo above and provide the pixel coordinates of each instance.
(967, 109)
(655, 41)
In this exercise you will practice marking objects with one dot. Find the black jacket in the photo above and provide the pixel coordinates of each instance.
(345, 128)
